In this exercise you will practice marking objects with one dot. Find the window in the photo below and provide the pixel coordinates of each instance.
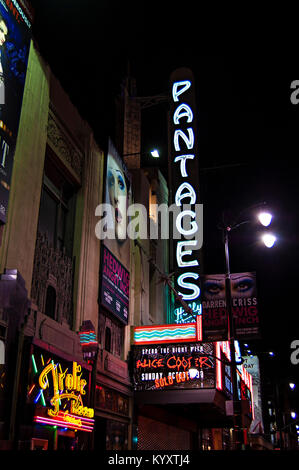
(108, 339)
(57, 208)
(110, 335)
(50, 307)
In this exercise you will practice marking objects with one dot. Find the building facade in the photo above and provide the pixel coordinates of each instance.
(49, 258)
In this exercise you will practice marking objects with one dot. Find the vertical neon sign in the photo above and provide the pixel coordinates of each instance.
(184, 187)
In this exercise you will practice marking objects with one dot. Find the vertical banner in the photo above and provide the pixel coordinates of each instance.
(115, 249)
(214, 316)
(184, 188)
(244, 306)
(15, 35)
(251, 364)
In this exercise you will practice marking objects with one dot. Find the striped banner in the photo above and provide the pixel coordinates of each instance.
(174, 333)
(87, 338)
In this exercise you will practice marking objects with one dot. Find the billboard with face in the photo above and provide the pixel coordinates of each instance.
(15, 34)
(244, 306)
(115, 252)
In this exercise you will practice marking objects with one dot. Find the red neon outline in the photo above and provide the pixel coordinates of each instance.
(199, 327)
(219, 384)
(170, 325)
(167, 341)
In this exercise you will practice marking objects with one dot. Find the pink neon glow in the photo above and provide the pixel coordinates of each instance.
(65, 424)
(218, 367)
(199, 328)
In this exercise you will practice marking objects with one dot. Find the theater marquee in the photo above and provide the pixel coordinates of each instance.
(173, 366)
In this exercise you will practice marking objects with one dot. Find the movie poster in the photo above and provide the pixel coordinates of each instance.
(115, 250)
(15, 35)
(244, 306)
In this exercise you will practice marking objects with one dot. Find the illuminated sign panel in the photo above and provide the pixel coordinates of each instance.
(183, 184)
(15, 34)
(115, 285)
(162, 334)
(59, 391)
(173, 366)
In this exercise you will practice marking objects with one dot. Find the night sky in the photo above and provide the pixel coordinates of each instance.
(246, 122)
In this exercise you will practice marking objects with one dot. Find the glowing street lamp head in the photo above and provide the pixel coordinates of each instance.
(269, 240)
(265, 218)
(155, 153)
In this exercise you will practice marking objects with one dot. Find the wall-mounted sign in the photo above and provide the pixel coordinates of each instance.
(115, 285)
(184, 186)
(60, 391)
(179, 315)
(173, 366)
(163, 334)
(15, 35)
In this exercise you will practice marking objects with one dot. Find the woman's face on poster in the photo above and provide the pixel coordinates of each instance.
(242, 285)
(117, 189)
(3, 32)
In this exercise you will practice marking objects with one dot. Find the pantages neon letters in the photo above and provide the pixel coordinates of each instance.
(184, 184)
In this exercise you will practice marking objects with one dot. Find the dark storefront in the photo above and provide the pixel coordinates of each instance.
(112, 419)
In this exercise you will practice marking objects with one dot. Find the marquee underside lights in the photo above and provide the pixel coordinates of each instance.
(162, 334)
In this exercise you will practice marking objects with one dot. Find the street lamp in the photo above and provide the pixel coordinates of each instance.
(269, 240)
(265, 218)
(226, 230)
(155, 153)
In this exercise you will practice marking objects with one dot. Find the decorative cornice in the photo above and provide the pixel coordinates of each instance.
(63, 146)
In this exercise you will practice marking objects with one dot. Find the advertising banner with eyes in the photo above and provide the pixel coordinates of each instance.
(115, 251)
(15, 35)
(244, 306)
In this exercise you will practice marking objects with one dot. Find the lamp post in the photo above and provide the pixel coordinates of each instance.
(265, 219)
(231, 333)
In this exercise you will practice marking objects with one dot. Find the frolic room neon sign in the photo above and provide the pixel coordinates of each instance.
(65, 388)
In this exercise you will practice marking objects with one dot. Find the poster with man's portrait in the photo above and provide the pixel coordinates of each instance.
(15, 35)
